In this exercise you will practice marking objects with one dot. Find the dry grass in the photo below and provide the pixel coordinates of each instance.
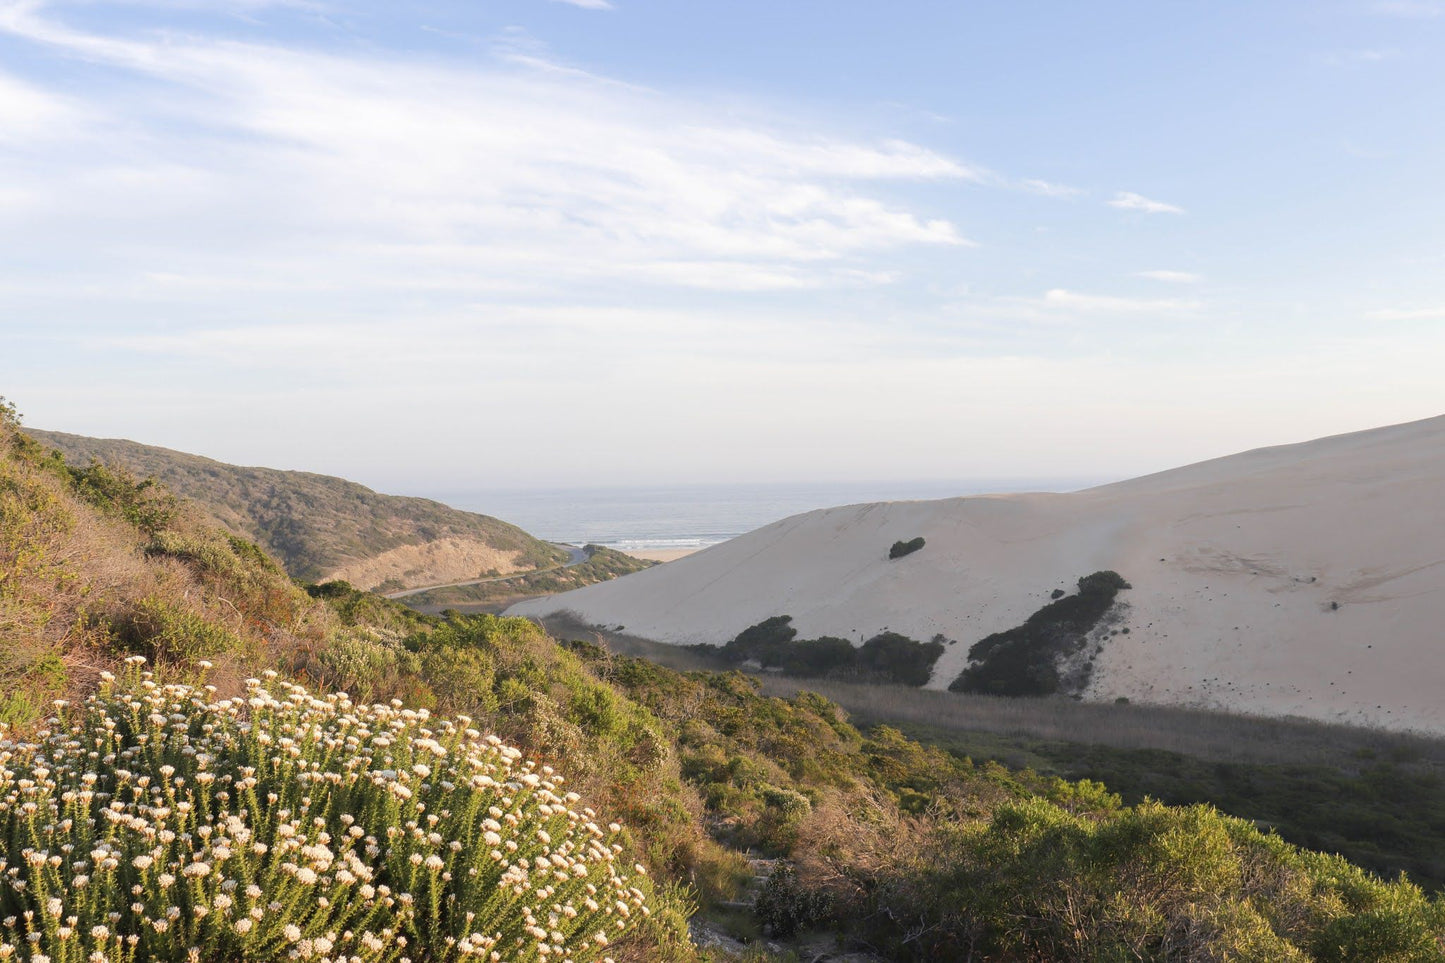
(1203, 734)
(315, 525)
(76, 581)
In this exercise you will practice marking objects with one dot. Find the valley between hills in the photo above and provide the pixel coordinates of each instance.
(852, 809)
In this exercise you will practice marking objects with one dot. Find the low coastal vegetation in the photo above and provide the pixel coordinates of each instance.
(1049, 652)
(312, 524)
(886, 657)
(278, 824)
(601, 565)
(902, 548)
(887, 843)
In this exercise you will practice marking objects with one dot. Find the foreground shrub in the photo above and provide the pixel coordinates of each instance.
(1151, 882)
(158, 824)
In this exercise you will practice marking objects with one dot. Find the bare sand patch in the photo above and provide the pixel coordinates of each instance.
(658, 554)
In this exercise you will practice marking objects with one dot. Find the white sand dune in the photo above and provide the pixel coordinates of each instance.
(1300, 580)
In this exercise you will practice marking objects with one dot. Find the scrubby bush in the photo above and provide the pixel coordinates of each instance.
(156, 823)
(143, 502)
(1025, 660)
(785, 906)
(899, 659)
(901, 548)
(889, 656)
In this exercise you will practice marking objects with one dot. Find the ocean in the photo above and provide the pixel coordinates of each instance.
(650, 517)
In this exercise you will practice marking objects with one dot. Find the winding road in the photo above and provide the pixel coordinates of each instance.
(575, 556)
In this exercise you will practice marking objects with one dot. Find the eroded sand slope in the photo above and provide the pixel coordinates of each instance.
(1306, 579)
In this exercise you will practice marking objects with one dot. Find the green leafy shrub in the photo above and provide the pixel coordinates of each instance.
(170, 633)
(902, 548)
(1151, 883)
(155, 824)
(786, 907)
(143, 502)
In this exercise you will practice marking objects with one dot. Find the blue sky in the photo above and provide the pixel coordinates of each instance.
(441, 245)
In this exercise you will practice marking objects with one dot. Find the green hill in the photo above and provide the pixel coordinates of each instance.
(320, 527)
(876, 842)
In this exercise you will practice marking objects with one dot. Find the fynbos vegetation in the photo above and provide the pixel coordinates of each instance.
(154, 821)
(159, 823)
(314, 524)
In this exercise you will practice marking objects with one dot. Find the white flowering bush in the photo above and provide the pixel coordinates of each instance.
(157, 822)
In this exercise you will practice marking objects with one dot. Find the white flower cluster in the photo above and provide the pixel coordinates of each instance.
(158, 823)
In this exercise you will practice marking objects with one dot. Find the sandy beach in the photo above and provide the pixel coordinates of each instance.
(659, 554)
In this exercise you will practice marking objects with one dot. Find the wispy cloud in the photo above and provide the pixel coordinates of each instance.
(1412, 9)
(402, 174)
(1174, 277)
(588, 4)
(1429, 313)
(1074, 300)
(1129, 201)
(1369, 55)
(1049, 189)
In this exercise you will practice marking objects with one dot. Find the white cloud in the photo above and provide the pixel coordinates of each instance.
(588, 4)
(1049, 189)
(1129, 201)
(250, 163)
(1174, 277)
(1074, 300)
(1371, 55)
(1436, 313)
(27, 112)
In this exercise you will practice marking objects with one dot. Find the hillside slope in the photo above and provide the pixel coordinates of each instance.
(321, 527)
(906, 850)
(1299, 580)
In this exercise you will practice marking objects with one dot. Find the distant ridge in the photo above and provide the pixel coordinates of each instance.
(1304, 579)
(320, 527)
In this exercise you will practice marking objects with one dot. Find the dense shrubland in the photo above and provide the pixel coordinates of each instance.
(919, 853)
(156, 822)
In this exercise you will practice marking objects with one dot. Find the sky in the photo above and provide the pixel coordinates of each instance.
(498, 243)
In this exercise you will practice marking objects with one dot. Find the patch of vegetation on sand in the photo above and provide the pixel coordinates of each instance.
(1047, 653)
(886, 657)
(902, 548)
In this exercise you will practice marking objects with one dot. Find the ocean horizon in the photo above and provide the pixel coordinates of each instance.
(654, 517)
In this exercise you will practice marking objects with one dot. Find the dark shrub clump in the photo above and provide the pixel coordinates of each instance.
(1024, 661)
(901, 549)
